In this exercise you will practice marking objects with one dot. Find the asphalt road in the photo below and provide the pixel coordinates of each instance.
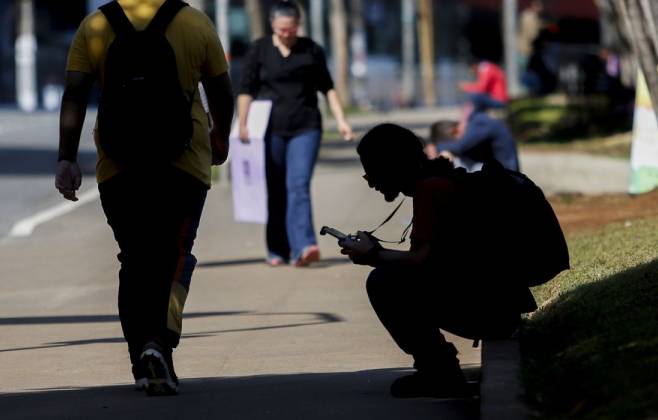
(28, 154)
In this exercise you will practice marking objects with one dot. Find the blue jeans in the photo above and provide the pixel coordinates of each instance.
(483, 102)
(289, 166)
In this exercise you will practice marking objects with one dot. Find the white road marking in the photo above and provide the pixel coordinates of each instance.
(25, 227)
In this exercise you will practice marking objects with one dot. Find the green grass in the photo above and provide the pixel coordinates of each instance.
(615, 145)
(591, 351)
(559, 119)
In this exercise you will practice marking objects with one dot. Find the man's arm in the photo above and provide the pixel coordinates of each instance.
(365, 251)
(476, 133)
(220, 102)
(480, 85)
(71, 119)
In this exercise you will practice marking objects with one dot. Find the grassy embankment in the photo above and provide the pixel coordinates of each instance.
(558, 123)
(591, 351)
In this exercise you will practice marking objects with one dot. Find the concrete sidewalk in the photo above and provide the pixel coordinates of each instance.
(259, 343)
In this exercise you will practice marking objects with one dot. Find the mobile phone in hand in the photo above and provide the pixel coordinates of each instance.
(326, 230)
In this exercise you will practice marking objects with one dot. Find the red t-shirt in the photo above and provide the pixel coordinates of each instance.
(491, 80)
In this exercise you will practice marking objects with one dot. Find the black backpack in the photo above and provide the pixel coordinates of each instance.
(517, 223)
(144, 116)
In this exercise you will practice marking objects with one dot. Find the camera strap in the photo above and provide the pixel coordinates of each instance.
(388, 219)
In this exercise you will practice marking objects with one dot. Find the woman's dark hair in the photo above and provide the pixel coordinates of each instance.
(287, 8)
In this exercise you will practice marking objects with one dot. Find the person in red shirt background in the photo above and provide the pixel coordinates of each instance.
(490, 88)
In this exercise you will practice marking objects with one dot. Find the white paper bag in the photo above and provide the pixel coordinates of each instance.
(248, 166)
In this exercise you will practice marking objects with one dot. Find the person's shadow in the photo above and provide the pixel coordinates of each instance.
(345, 395)
(323, 263)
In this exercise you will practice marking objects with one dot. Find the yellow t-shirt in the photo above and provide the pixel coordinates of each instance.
(199, 54)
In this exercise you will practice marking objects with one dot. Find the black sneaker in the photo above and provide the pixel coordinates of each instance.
(159, 368)
(430, 385)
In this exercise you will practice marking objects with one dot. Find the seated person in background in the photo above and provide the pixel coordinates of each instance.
(483, 139)
(445, 280)
(490, 88)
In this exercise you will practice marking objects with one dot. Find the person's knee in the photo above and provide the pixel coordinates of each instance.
(298, 185)
(377, 283)
(298, 194)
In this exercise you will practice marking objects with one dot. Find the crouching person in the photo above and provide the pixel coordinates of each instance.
(459, 275)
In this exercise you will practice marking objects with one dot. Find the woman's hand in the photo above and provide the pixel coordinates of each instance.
(244, 134)
(345, 130)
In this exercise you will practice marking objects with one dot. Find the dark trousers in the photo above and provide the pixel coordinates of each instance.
(154, 216)
(414, 305)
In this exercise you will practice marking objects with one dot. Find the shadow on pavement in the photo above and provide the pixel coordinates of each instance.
(40, 161)
(89, 319)
(316, 318)
(346, 395)
(324, 263)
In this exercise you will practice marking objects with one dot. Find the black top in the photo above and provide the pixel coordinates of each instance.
(290, 82)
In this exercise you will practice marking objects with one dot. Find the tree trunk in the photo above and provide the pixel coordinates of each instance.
(426, 41)
(511, 51)
(303, 21)
(221, 22)
(26, 60)
(638, 26)
(408, 51)
(317, 21)
(359, 49)
(255, 13)
(340, 50)
(650, 12)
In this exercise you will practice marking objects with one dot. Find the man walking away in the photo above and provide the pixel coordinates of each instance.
(155, 151)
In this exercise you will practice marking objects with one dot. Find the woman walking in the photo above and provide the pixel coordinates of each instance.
(289, 70)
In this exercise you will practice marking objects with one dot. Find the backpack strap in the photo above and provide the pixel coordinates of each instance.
(165, 15)
(117, 18)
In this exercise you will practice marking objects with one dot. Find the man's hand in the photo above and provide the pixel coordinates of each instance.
(447, 155)
(220, 147)
(430, 151)
(68, 179)
(360, 250)
(465, 86)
